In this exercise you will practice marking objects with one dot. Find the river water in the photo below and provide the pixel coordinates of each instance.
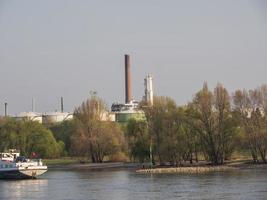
(127, 185)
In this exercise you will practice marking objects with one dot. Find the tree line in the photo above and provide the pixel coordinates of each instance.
(211, 127)
(30, 138)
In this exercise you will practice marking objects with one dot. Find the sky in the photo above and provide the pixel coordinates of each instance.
(55, 48)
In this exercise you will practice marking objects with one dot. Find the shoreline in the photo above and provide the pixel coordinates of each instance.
(187, 170)
(206, 168)
(95, 166)
(195, 168)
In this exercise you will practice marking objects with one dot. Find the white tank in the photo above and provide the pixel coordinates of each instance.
(55, 117)
(33, 116)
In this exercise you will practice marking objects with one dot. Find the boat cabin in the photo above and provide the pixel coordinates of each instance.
(11, 155)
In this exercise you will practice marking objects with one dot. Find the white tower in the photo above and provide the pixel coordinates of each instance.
(149, 90)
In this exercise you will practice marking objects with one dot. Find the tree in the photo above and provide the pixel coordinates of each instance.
(41, 140)
(28, 137)
(9, 135)
(94, 137)
(250, 107)
(138, 140)
(155, 115)
(63, 132)
(174, 144)
(191, 136)
(214, 123)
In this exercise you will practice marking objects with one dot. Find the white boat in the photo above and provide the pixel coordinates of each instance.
(14, 166)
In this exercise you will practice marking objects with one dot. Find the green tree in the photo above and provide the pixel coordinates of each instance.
(40, 140)
(28, 137)
(138, 140)
(10, 134)
(63, 132)
(155, 116)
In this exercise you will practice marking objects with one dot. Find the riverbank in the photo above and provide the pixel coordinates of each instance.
(95, 166)
(206, 168)
(187, 170)
(61, 161)
(201, 167)
(81, 164)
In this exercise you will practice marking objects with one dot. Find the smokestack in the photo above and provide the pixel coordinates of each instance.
(62, 108)
(33, 105)
(5, 109)
(128, 84)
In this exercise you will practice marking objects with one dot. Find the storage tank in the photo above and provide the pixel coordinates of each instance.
(33, 116)
(56, 117)
(125, 116)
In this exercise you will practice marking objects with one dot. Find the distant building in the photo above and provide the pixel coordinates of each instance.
(33, 116)
(124, 112)
(125, 116)
(107, 116)
(56, 117)
(119, 107)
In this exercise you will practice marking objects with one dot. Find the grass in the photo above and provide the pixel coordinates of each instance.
(62, 161)
(241, 155)
(238, 156)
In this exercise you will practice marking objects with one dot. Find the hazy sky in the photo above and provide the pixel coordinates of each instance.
(55, 48)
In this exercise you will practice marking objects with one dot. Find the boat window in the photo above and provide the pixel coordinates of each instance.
(1, 166)
(6, 166)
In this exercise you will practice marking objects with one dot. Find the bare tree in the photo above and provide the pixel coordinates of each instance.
(251, 108)
(94, 137)
(214, 123)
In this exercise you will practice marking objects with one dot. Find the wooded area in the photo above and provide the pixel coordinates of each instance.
(211, 127)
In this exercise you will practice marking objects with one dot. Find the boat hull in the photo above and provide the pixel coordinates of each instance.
(22, 173)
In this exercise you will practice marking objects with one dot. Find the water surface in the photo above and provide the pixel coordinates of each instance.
(128, 185)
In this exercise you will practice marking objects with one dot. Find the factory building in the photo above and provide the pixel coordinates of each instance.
(125, 112)
(120, 112)
(46, 118)
(32, 116)
(130, 109)
(125, 116)
(56, 117)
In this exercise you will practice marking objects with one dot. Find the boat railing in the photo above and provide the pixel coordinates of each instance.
(28, 163)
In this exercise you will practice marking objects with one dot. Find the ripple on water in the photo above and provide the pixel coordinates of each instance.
(128, 185)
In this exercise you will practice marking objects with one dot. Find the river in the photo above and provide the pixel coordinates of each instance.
(128, 185)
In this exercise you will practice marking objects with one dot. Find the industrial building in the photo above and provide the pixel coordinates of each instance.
(130, 109)
(33, 116)
(46, 118)
(120, 112)
(56, 117)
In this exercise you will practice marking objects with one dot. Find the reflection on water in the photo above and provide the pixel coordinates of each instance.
(127, 185)
(12, 189)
